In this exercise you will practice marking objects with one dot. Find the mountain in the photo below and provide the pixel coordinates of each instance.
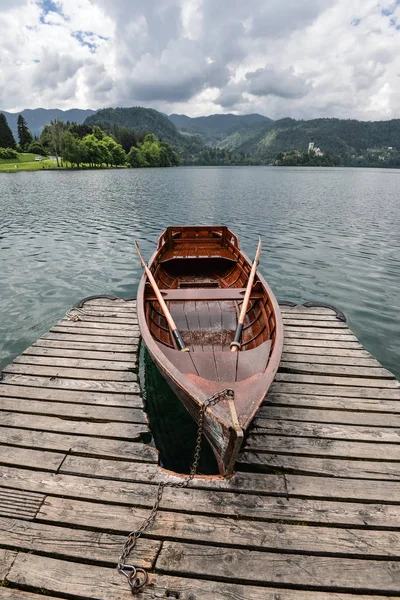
(147, 120)
(346, 137)
(39, 117)
(215, 128)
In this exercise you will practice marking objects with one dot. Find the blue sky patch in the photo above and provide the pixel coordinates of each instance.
(36, 60)
(355, 22)
(48, 6)
(82, 37)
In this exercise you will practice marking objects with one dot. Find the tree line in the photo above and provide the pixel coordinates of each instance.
(76, 145)
(307, 159)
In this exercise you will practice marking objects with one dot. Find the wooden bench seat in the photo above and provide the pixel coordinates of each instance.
(204, 294)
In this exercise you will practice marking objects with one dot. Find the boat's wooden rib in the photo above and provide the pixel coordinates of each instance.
(202, 276)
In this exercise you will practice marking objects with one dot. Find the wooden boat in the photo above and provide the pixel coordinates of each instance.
(202, 276)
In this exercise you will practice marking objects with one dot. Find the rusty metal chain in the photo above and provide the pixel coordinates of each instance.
(138, 577)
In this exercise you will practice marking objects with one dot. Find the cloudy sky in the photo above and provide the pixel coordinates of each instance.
(297, 58)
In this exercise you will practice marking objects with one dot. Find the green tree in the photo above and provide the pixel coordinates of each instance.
(24, 135)
(36, 147)
(6, 136)
(136, 158)
(51, 137)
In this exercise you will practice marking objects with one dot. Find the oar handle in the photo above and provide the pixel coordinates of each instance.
(171, 323)
(235, 344)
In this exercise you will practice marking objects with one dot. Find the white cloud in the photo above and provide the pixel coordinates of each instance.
(279, 58)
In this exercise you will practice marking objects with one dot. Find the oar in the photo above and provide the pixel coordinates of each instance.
(164, 307)
(235, 345)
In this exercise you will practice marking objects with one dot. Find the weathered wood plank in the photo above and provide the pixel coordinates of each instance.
(77, 411)
(356, 469)
(88, 385)
(38, 459)
(292, 321)
(329, 369)
(7, 558)
(312, 310)
(184, 588)
(316, 415)
(328, 316)
(78, 363)
(114, 304)
(372, 405)
(338, 381)
(343, 336)
(124, 358)
(15, 594)
(132, 400)
(309, 499)
(224, 531)
(79, 444)
(93, 339)
(73, 542)
(316, 446)
(75, 345)
(121, 319)
(310, 341)
(21, 504)
(345, 391)
(293, 347)
(46, 371)
(327, 431)
(117, 328)
(105, 429)
(325, 359)
(267, 568)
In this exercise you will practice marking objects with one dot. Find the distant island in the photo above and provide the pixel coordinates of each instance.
(182, 140)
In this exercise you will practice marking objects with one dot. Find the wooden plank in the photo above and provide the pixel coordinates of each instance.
(79, 444)
(116, 328)
(63, 424)
(77, 411)
(132, 400)
(92, 385)
(7, 558)
(341, 370)
(78, 363)
(16, 503)
(185, 588)
(75, 353)
(311, 415)
(107, 303)
(372, 405)
(15, 594)
(310, 341)
(319, 333)
(356, 469)
(292, 321)
(37, 459)
(45, 371)
(291, 498)
(73, 542)
(75, 345)
(316, 446)
(345, 391)
(224, 531)
(121, 319)
(338, 381)
(92, 339)
(312, 310)
(326, 359)
(303, 349)
(328, 316)
(326, 431)
(267, 568)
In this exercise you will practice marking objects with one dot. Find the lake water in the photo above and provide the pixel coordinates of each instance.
(328, 234)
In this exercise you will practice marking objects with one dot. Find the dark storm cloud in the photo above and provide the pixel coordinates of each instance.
(270, 82)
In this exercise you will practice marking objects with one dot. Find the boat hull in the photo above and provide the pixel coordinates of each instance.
(202, 274)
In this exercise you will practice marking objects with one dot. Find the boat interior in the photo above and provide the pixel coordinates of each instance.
(202, 276)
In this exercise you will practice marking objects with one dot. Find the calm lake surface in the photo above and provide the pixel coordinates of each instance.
(328, 234)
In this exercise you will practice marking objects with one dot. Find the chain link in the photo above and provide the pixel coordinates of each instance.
(137, 577)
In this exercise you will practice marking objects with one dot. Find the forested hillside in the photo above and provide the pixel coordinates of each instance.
(147, 120)
(215, 128)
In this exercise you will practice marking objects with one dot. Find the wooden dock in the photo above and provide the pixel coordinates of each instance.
(313, 512)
